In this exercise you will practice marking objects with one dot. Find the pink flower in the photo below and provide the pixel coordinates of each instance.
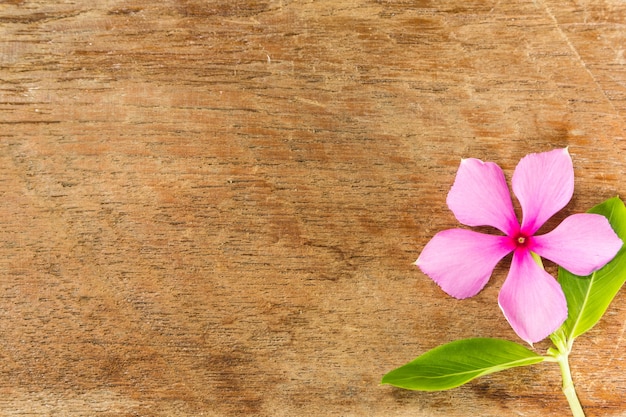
(461, 261)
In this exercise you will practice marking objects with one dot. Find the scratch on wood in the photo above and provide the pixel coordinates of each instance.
(576, 54)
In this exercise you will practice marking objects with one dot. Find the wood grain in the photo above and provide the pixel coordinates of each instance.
(213, 207)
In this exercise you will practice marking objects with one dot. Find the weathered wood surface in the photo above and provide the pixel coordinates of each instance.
(212, 207)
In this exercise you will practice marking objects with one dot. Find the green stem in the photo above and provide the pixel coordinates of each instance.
(561, 357)
(568, 388)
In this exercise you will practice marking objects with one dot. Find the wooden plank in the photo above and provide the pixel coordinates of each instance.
(212, 208)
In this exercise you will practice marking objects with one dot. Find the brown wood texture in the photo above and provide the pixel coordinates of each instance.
(212, 207)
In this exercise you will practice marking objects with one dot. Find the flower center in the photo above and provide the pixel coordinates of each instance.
(521, 240)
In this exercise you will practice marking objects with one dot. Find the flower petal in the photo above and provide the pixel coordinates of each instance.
(480, 196)
(544, 184)
(582, 243)
(461, 261)
(531, 299)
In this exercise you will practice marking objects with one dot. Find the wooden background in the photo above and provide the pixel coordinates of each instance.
(212, 207)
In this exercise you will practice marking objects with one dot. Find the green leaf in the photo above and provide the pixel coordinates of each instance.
(589, 297)
(458, 362)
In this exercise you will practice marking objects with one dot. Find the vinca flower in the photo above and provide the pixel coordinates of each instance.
(461, 261)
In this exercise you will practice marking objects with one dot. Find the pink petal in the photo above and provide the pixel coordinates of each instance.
(480, 196)
(543, 183)
(461, 261)
(582, 243)
(531, 299)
